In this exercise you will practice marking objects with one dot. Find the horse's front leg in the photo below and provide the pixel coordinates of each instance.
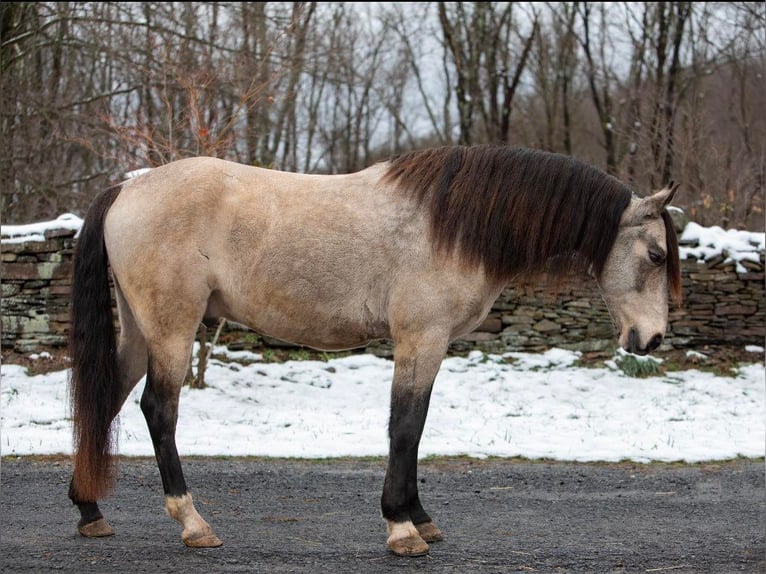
(159, 404)
(410, 528)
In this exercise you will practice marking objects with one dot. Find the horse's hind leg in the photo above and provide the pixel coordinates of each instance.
(417, 362)
(168, 362)
(131, 358)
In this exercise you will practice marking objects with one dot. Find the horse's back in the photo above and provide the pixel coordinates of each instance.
(220, 205)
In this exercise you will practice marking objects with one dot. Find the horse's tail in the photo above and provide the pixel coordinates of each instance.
(94, 384)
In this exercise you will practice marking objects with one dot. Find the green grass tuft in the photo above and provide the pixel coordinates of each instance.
(638, 367)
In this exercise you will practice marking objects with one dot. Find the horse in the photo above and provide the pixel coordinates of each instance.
(414, 249)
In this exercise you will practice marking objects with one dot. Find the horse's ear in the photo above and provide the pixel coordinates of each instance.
(651, 206)
(666, 194)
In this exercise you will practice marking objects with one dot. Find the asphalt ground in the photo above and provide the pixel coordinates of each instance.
(322, 516)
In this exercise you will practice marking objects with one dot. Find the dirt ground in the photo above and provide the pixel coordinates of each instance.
(301, 516)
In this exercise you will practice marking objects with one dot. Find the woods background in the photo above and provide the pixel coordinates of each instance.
(648, 91)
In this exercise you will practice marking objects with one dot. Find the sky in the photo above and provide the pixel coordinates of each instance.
(532, 405)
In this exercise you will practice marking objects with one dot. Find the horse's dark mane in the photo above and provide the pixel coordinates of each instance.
(674, 259)
(516, 211)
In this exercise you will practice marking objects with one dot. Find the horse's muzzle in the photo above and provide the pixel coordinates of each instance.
(634, 345)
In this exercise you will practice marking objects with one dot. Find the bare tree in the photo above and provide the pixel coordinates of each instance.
(481, 39)
(601, 80)
(648, 91)
(745, 189)
(669, 21)
(411, 26)
(554, 61)
(286, 133)
(49, 93)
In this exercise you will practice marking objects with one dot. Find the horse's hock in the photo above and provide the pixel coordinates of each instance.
(723, 305)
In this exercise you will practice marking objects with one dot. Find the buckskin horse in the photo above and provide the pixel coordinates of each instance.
(414, 249)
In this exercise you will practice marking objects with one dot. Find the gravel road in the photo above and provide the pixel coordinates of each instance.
(320, 517)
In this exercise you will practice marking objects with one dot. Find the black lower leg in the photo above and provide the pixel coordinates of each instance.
(417, 514)
(161, 413)
(400, 501)
(89, 511)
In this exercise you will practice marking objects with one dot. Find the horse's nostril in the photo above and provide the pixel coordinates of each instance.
(632, 341)
(654, 343)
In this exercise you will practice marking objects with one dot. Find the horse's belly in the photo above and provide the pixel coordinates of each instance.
(303, 324)
(330, 336)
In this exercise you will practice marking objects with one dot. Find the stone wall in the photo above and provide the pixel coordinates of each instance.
(36, 280)
(722, 306)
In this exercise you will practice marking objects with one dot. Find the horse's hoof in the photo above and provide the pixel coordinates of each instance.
(430, 532)
(203, 541)
(410, 546)
(96, 529)
(404, 540)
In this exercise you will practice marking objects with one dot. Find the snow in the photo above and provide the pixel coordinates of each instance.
(709, 242)
(137, 172)
(519, 404)
(36, 231)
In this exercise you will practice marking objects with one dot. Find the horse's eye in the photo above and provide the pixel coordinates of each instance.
(656, 257)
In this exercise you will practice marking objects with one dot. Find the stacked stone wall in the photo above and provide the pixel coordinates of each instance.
(722, 306)
(36, 286)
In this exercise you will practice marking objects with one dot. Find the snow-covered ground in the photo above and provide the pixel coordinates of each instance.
(528, 405)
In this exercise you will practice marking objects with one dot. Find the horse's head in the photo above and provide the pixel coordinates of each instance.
(634, 280)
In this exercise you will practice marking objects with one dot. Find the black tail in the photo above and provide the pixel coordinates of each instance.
(94, 385)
